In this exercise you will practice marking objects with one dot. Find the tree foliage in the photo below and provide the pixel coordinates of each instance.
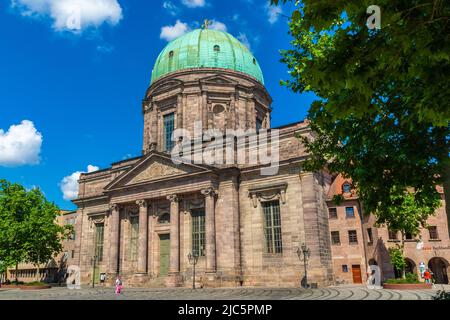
(383, 109)
(28, 228)
(397, 258)
(356, 69)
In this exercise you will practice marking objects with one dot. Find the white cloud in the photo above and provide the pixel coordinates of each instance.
(242, 37)
(20, 145)
(273, 12)
(72, 15)
(217, 25)
(169, 33)
(193, 3)
(69, 184)
(171, 8)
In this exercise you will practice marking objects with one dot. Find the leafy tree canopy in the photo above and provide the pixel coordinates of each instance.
(383, 109)
(28, 228)
(355, 69)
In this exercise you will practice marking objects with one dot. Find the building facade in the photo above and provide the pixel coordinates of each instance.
(142, 218)
(357, 242)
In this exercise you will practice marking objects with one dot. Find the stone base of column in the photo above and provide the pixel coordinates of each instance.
(140, 279)
(211, 280)
(173, 280)
(110, 279)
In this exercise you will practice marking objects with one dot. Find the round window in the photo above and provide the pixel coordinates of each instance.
(218, 108)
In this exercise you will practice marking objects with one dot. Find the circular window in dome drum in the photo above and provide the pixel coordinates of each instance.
(216, 48)
(218, 108)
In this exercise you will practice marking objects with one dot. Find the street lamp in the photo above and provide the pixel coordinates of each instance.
(193, 258)
(303, 253)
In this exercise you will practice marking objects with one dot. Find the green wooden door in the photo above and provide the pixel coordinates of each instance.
(164, 254)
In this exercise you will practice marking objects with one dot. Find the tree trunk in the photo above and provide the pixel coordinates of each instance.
(403, 256)
(38, 273)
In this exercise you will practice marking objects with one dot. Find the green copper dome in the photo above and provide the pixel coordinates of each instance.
(206, 48)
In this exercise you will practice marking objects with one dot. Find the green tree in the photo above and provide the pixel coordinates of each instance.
(44, 235)
(382, 112)
(405, 213)
(28, 228)
(13, 211)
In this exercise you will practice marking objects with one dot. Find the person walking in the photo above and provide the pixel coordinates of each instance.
(118, 285)
(427, 276)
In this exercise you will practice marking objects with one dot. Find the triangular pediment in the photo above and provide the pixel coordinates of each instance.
(165, 86)
(157, 170)
(152, 168)
(216, 79)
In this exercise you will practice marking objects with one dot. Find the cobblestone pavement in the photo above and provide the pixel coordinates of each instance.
(329, 293)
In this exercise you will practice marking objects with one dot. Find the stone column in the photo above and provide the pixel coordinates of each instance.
(143, 236)
(114, 242)
(210, 229)
(174, 265)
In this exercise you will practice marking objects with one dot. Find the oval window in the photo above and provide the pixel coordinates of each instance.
(218, 108)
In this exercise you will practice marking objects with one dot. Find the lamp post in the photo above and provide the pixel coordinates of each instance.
(193, 258)
(303, 253)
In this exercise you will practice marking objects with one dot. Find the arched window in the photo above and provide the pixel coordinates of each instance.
(164, 218)
(171, 54)
(216, 48)
(254, 61)
(346, 187)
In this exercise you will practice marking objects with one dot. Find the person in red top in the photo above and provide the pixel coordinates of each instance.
(427, 276)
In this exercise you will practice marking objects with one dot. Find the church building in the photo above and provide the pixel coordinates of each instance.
(146, 218)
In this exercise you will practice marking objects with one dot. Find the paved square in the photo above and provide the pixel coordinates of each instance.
(329, 293)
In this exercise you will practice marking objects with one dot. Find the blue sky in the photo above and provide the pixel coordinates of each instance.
(81, 89)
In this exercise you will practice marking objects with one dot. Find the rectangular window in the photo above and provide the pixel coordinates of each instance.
(169, 127)
(99, 232)
(272, 226)
(349, 212)
(352, 237)
(335, 238)
(73, 254)
(258, 124)
(332, 213)
(433, 233)
(198, 232)
(392, 235)
(134, 237)
(409, 236)
(369, 235)
(344, 268)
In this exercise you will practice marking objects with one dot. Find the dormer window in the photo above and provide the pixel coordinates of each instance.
(346, 187)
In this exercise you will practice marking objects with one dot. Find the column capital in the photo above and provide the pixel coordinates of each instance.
(142, 203)
(209, 192)
(114, 207)
(173, 198)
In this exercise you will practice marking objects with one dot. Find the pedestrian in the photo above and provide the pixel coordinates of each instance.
(118, 285)
(427, 276)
